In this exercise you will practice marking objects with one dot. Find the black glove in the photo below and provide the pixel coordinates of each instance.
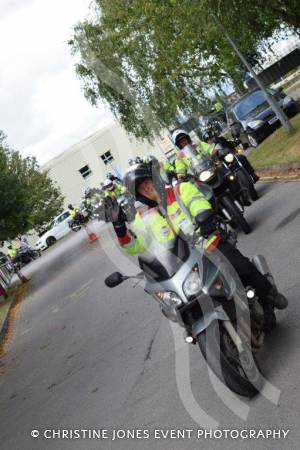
(207, 222)
(207, 228)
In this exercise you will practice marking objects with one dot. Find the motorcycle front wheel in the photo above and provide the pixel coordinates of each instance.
(235, 214)
(239, 372)
(248, 184)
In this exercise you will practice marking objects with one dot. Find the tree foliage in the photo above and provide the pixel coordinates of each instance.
(29, 198)
(147, 59)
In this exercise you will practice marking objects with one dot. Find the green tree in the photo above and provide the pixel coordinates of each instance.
(29, 198)
(148, 59)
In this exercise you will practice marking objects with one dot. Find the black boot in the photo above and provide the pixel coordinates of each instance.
(276, 299)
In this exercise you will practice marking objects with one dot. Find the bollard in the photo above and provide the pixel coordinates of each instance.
(92, 236)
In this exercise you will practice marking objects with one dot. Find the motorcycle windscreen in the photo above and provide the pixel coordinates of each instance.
(160, 263)
(199, 163)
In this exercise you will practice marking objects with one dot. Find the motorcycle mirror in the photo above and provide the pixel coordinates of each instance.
(114, 279)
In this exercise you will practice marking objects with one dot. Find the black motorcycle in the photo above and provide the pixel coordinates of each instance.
(76, 223)
(231, 162)
(227, 190)
(24, 256)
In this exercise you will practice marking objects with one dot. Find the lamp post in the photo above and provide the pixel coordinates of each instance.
(270, 99)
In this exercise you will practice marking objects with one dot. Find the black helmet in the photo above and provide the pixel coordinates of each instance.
(210, 133)
(70, 206)
(135, 175)
(140, 172)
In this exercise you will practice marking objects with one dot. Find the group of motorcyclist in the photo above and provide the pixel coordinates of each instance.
(185, 209)
(178, 208)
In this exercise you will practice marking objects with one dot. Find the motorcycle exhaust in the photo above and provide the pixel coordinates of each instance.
(261, 264)
(239, 206)
(226, 214)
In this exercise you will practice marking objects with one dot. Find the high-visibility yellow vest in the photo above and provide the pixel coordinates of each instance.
(151, 226)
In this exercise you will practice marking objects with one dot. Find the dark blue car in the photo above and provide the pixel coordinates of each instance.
(253, 115)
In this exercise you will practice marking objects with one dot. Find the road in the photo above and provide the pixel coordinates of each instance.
(82, 356)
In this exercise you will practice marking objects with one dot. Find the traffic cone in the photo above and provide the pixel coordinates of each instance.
(22, 277)
(92, 236)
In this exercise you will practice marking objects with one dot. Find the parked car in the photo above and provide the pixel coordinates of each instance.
(58, 229)
(253, 115)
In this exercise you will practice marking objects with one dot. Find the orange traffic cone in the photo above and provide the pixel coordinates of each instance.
(92, 236)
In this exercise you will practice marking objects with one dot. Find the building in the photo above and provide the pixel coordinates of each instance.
(108, 150)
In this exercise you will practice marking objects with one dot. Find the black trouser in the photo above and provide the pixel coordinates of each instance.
(246, 270)
(245, 162)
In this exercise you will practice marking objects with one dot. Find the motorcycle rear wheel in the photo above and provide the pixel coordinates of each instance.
(240, 374)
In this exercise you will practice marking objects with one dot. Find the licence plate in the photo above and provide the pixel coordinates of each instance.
(273, 120)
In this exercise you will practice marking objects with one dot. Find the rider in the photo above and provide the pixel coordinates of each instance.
(185, 208)
(180, 139)
(110, 176)
(73, 211)
(212, 138)
(12, 251)
(113, 189)
(23, 241)
(89, 195)
(170, 170)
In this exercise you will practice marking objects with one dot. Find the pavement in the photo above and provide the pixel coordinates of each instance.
(82, 356)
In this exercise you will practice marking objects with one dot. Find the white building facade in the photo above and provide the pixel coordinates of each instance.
(108, 150)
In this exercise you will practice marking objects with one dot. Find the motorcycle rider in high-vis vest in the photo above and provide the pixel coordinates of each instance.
(182, 163)
(113, 189)
(185, 208)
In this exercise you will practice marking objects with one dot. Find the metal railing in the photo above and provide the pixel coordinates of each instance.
(5, 277)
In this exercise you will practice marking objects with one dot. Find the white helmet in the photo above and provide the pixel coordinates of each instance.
(179, 134)
(108, 185)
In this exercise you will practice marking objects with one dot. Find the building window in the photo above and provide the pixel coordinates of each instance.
(107, 157)
(85, 171)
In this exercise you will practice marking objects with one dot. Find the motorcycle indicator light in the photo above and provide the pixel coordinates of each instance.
(231, 177)
(170, 298)
(229, 158)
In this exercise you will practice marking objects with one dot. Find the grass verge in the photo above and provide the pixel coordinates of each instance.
(278, 149)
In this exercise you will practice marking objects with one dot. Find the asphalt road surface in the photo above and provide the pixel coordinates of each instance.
(82, 356)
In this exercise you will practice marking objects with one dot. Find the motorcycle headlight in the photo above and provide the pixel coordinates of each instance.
(229, 158)
(255, 124)
(206, 175)
(192, 284)
(169, 298)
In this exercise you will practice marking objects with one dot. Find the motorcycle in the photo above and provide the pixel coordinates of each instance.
(231, 162)
(226, 320)
(25, 255)
(225, 185)
(76, 223)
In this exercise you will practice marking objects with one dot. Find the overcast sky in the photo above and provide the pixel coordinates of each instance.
(43, 110)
